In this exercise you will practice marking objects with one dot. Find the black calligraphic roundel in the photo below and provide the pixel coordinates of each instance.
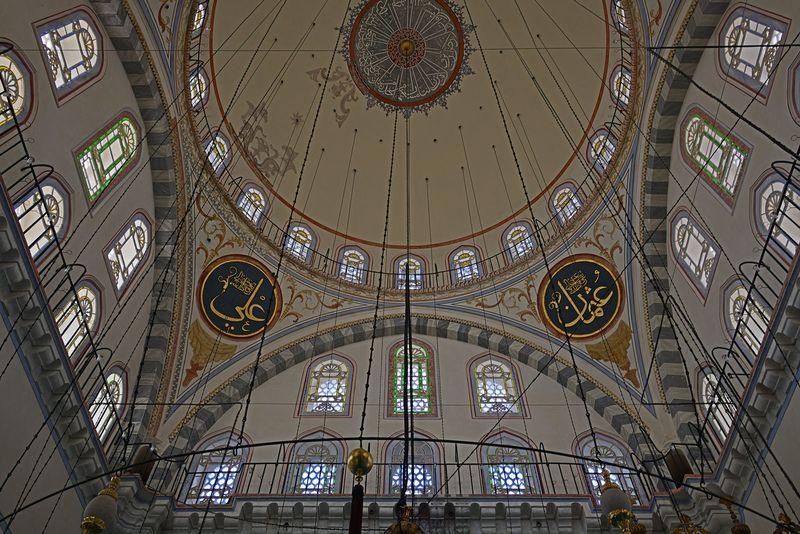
(238, 297)
(582, 297)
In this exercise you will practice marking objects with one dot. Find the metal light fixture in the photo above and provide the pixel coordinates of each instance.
(360, 463)
(616, 505)
(737, 528)
(687, 527)
(404, 525)
(101, 512)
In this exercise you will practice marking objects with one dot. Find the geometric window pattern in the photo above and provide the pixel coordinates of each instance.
(411, 267)
(106, 407)
(16, 79)
(784, 214)
(601, 149)
(299, 241)
(495, 387)
(353, 265)
(108, 155)
(218, 152)
(750, 47)
(326, 390)
(78, 318)
(42, 221)
(747, 316)
(420, 474)
(252, 203)
(127, 253)
(696, 253)
(314, 467)
(716, 155)
(509, 470)
(464, 263)
(212, 478)
(199, 19)
(621, 86)
(198, 88)
(609, 454)
(518, 241)
(419, 382)
(73, 51)
(619, 16)
(566, 203)
(718, 405)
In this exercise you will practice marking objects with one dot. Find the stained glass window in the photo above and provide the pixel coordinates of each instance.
(218, 152)
(620, 16)
(772, 206)
(353, 265)
(566, 204)
(253, 203)
(198, 88)
(106, 406)
(608, 452)
(509, 470)
(718, 157)
(78, 318)
(718, 405)
(750, 47)
(109, 156)
(42, 216)
(199, 19)
(420, 475)
(621, 83)
(126, 254)
(495, 387)
(464, 264)
(601, 149)
(213, 474)
(315, 467)
(747, 316)
(299, 241)
(696, 253)
(419, 382)
(414, 268)
(518, 241)
(73, 50)
(15, 87)
(327, 387)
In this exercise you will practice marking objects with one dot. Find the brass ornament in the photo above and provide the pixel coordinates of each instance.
(687, 527)
(360, 462)
(112, 489)
(92, 525)
(404, 526)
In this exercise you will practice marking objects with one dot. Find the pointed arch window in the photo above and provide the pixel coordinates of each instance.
(327, 387)
(300, 241)
(695, 251)
(213, 475)
(782, 209)
(353, 264)
(129, 249)
(419, 382)
(601, 150)
(747, 317)
(620, 17)
(218, 152)
(78, 318)
(719, 408)
(106, 407)
(109, 156)
(518, 241)
(16, 87)
(412, 266)
(495, 386)
(719, 157)
(253, 203)
(198, 88)
(566, 203)
(610, 454)
(421, 475)
(621, 85)
(73, 52)
(750, 45)
(315, 466)
(509, 468)
(464, 264)
(199, 18)
(43, 216)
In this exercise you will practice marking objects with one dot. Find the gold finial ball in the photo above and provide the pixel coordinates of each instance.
(407, 47)
(360, 462)
(740, 528)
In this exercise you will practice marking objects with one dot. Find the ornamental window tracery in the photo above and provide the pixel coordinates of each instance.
(199, 18)
(509, 469)
(77, 318)
(218, 152)
(252, 203)
(109, 156)
(620, 17)
(16, 87)
(566, 203)
(778, 212)
(213, 474)
(353, 265)
(621, 85)
(198, 88)
(42, 214)
(495, 387)
(518, 241)
(464, 264)
(421, 475)
(601, 150)
(412, 267)
(106, 407)
(747, 317)
(609, 454)
(300, 241)
(717, 403)
(327, 387)
(128, 251)
(315, 466)
(695, 251)
(419, 381)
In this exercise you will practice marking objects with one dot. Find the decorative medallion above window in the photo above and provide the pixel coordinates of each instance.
(16, 86)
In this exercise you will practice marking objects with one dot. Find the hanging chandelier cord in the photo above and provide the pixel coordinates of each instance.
(408, 414)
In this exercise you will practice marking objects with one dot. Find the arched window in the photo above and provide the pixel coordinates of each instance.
(315, 467)
(621, 85)
(17, 80)
(218, 152)
(750, 43)
(198, 88)
(794, 90)
(509, 469)
(719, 407)
(300, 241)
(253, 203)
(566, 203)
(43, 215)
(72, 50)
(610, 454)
(199, 19)
(109, 156)
(212, 475)
(421, 475)
(412, 266)
(495, 386)
(464, 264)
(106, 407)
(353, 265)
(518, 241)
(78, 317)
(719, 157)
(327, 387)
(772, 206)
(420, 382)
(128, 250)
(620, 17)
(746, 316)
(601, 150)
(695, 251)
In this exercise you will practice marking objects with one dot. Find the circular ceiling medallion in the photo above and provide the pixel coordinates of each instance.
(238, 296)
(582, 298)
(407, 54)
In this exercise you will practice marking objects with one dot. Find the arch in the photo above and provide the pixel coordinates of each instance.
(717, 404)
(316, 468)
(327, 387)
(464, 264)
(600, 150)
(423, 474)
(198, 88)
(353, 264)
(620, 85)
(746, 316)
(565, 203)
(107, 402)
(43, 214)
(252, 202)
(767, 208)
(213, 477)
(695, 252)
(218, 152)
(620, 17)
(508, 471)
(300, 241)
(17, 75)
(518, 240)
(73, 50)
(423, 400)
(609, 451)
(198, 18)
(793, 97)
(78, 317)
(126, 254)
(416, 271)
(494, 387)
